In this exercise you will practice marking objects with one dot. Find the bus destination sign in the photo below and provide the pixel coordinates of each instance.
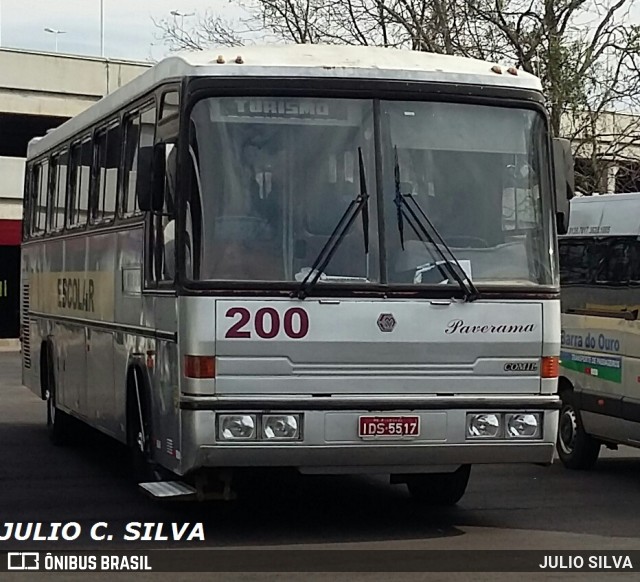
(284, 108)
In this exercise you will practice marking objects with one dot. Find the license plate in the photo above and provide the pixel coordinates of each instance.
(388, 426)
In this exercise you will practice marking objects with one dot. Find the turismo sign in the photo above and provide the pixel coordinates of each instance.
(284, 108)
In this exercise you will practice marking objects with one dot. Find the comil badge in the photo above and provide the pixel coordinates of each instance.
(521, 367)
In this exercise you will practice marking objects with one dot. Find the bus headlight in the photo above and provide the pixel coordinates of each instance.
(237, 426)
(485, 425)
(524, 425)
(281, 426)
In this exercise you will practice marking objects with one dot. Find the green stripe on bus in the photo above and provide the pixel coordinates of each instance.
(600, 372)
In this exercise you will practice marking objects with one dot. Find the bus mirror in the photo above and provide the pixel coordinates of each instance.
(143, 178)
(564, 181)
(150, 178)
(159, 173)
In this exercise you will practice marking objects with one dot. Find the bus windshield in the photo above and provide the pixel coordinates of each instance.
(271, 177)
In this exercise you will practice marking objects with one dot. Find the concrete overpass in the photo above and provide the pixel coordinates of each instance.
(39, 91)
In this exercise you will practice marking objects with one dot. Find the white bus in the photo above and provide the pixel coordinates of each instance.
(334, 259)
(600, 358)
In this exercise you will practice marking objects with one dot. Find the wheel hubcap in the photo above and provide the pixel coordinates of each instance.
(568, 430)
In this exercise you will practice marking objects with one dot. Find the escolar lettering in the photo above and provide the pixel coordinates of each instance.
(76, 294)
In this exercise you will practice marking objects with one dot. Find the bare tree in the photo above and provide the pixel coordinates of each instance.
(586, 53)
(442, 26)
(210, 29)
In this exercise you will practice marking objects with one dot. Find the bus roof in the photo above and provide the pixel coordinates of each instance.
(304, 61)
(605, 215)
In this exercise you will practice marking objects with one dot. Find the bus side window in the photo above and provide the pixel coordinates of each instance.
(103, 205)
(170, 104)
(139, 131)
(574, 259)
(128, 203)
(74, 185)
(34, 182)
(614, 268)
(26, 203)
(634, 262)
(43, 191)
(85, 170)
(97, 194)
(80, 173)
(59, 191)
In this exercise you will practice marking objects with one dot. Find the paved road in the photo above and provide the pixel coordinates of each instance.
(516, 507)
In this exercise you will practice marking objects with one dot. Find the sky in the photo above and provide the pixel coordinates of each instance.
(130, 32)
(129, 29)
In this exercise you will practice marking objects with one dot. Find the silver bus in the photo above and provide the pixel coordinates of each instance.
(600, 357)
(333, 259)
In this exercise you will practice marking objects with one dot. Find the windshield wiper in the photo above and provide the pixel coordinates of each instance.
(412, 215)
(357, 205)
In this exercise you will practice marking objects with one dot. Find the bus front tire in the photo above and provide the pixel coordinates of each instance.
(444, 489)
(576, 449)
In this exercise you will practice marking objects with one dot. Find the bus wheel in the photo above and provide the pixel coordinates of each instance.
(58, 422)
(576, 449)
(439, 488)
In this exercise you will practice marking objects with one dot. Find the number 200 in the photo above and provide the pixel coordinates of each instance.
(267, 323)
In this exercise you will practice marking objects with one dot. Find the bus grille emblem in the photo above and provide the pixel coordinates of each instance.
(386, 322)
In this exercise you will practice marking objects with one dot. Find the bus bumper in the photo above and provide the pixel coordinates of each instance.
(330, 443)
(373, 459)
